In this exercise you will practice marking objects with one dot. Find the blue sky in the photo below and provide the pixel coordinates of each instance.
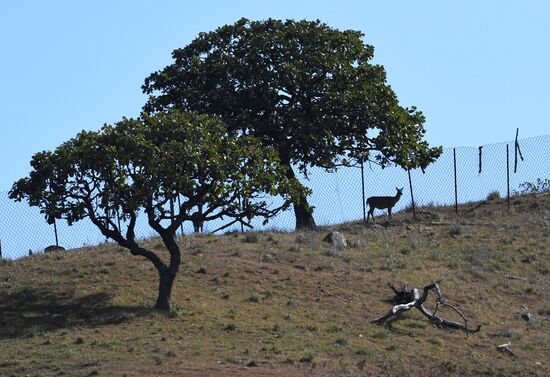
(477, 69)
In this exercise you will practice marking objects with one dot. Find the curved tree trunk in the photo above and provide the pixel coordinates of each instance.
(302, 210)
(167, 274)
(166, 280)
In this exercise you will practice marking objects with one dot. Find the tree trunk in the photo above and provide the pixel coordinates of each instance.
(302, 210)
(166, 280)
(167, 274)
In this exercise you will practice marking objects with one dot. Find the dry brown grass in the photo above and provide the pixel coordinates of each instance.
(286, 305)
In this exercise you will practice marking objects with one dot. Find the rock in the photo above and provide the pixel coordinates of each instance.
(201, 270)
(53, 249)
(336, 239)
(527, 317)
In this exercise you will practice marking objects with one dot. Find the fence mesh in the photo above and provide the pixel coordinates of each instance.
(337, 197)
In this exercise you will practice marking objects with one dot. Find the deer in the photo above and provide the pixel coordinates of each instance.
(197, 220)
(383, 202)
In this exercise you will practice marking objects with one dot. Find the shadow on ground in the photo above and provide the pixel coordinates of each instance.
(28, 311)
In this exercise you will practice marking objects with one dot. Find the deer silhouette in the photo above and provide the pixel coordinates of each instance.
(383, 202)
(198, 220)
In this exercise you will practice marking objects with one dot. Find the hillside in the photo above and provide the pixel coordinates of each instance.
(270, 303)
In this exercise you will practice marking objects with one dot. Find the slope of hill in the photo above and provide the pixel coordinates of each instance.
(272, 303)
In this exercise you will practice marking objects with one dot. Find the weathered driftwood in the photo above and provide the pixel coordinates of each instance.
(506, 348)
(407, 299)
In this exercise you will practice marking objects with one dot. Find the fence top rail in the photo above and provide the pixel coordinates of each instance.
(512, 141)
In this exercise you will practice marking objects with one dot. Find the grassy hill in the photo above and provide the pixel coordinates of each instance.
(267, 304)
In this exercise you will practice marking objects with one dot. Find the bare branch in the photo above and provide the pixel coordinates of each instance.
(417, 301)
(231, 223)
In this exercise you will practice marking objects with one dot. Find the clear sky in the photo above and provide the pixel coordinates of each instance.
(477, 69)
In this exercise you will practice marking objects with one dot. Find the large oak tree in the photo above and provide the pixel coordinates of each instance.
(162, 167)
(302, 87)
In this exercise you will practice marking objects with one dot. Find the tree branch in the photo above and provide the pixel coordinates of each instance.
(129, 243)
(416, 301)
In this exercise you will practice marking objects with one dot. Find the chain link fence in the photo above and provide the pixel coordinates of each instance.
(460, 175)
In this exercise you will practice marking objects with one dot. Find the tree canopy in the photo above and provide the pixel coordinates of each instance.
(302, 87)
(148, 166)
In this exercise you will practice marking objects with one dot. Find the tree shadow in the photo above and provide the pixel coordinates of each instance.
(29, 311)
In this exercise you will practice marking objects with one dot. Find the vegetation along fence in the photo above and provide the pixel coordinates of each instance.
(460, 175)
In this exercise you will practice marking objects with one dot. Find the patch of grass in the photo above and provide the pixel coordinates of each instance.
(254, 298)
(455, 229)
(308, 239)
(251, 238)
(341, 341)
(333, 251)
(361, 243)
(436, 254)
(449, 367)
(307, 358)
(230, 327)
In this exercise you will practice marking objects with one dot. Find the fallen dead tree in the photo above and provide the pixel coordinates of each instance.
(407, 299)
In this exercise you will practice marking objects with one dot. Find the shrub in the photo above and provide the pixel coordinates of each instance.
(455, 229)
(251, 238)
(254, 298)
(307, 358)
(341, 341)
(541, 185)
(493, 195)
(230, 327)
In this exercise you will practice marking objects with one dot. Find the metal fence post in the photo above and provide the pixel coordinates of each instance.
(363, 191)
(412, 194)
(456, 186)
(241, 204)
(55, 232)
(508, 175)
(171, 211)
(179, 206)
(118, 220)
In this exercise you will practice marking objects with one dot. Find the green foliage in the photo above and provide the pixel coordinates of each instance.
(306, 89)
(143, 164)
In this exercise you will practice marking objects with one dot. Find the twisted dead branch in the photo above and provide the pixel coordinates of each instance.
(407, 299)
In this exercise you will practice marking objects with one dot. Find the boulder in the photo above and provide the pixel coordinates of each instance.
(53, 249)
(336, 239)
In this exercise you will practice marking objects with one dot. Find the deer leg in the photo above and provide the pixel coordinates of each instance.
(371, 214)
(389, 213)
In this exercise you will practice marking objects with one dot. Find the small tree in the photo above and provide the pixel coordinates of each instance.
(302, 87)
(141, 166)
